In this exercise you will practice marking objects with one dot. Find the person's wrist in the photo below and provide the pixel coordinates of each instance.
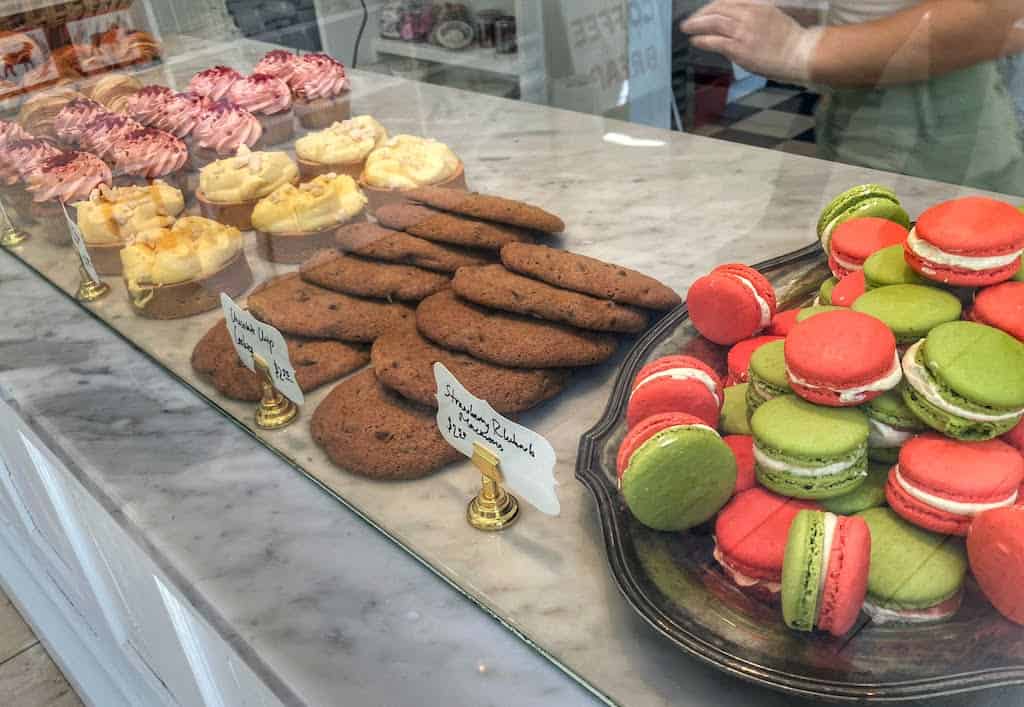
(804, 56)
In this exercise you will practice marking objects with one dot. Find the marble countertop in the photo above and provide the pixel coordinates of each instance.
(314, 598)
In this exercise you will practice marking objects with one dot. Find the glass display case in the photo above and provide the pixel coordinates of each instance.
(238, 235)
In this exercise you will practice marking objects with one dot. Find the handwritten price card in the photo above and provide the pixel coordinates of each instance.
(254, 338)
(527, 459)
(79, 241)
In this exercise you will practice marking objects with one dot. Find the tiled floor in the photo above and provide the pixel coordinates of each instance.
(28, 678)
(777, 117)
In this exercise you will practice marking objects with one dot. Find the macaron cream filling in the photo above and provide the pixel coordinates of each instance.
(881, 434)
(846, 264)
(766, 311)
(683, 374)
(946, 505)
(763, 459)
(830, 522)
(924, 383)
(881, 614)
(937, 256)
(856, 394)
(741, 579)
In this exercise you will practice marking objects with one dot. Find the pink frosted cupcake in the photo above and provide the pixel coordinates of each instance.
(180, 113)
(278, 63)
(18, 158)
(149, 154)
(321, 90)
(66, 177)
(147, 104)
(270, 100)
(105, 132)
(73, 117)
(221, 130)
(213, 83)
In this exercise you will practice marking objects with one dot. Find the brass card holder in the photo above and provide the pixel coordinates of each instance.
(275, 410)
(493, 508)
(90, 290)
(10, 236)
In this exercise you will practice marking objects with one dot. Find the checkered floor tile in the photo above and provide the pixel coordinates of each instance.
(777, 117)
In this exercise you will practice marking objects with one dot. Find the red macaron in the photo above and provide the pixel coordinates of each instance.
(856, 240)
(848, 289)
(739, 358)
(970, 242)
(846, 578)
(750, 538)
(841, 358)
(676, 384)
(645, 430)
(742, 447)
(731, 303)
(1015, 437)
(783, 322)
(1001, 306)
(995, 550)
(941, 484)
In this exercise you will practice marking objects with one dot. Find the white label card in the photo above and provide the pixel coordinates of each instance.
(252, 337)
(527, 459)
(79, 241)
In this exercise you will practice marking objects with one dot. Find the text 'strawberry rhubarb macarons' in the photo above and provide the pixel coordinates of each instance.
(321, 89)
(675, 384)
(750, 539)
(214, 82)
(742, 447)
(738, 359)
(270, 100)
(675, 472)
(965, 380)
(148, 103)
(279, 63)
(841, 359)
(731, 303)
(858, 202)
(1001, 306)
(856, 240)
(825, 572)
(221, 130)
(971, 242)
(995, 549)
(940, 484)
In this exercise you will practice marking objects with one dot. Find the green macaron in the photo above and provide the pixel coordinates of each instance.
(679, 477)
(892, 423)
(911, 568)
(910, 311)
(735, 417)
(869, 494)
(804, 450)
(801, 571)
(863, 200)
(825, 291)
(808, 312)
(965, 380)
(888, 267)
(767, 374)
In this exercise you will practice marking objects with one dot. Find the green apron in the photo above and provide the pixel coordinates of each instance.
(959, 128)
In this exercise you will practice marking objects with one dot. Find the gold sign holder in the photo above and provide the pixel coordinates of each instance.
(10, 236)
(275, 410)
(493, 508)
(90, 290)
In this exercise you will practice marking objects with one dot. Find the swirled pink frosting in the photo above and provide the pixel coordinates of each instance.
(261, 94)
(69, 176)
(179, 115)
(318, 76)
(146, 104)
(149, 153)
(11, 131)
(19, 158)
(278, 63)
(224, 127)
(213, 83)
(104, 133)
(73, 117)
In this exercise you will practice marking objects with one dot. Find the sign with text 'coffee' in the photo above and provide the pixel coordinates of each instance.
(527, 460)
(252, 338)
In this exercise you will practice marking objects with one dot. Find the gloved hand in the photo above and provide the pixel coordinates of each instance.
(759, 37)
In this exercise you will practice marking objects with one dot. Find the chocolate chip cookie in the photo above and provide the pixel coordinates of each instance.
(444, 227)
(488, 208)
(372, 241)
(359, 276)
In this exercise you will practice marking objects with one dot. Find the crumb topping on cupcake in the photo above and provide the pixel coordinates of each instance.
(409, 161)
(116, 214)
(343, 142)
(246, 176)
(329, 200)
(192, 248)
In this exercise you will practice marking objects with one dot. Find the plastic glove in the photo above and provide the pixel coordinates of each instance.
(760, 38)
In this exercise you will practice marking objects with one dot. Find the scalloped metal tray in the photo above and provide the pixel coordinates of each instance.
(671, 580)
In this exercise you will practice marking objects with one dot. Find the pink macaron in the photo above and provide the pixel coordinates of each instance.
(731, 303)
(856, 240)
(742, 447)
(738, 359)
(1001, 306)
(675, 384)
